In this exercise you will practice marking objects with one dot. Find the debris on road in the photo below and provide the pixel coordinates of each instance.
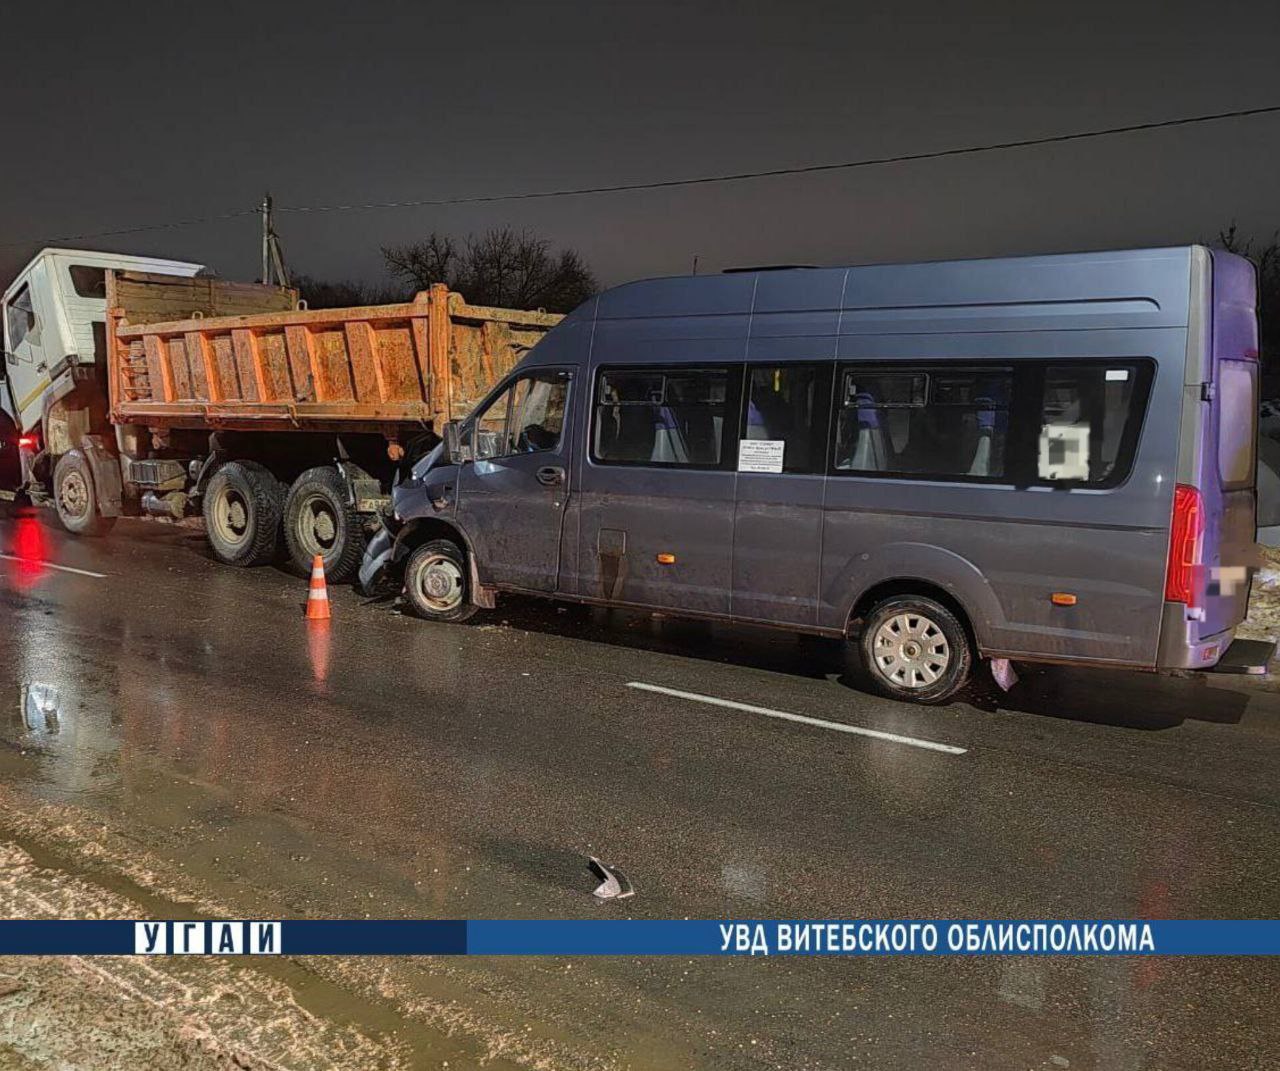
(614, 885)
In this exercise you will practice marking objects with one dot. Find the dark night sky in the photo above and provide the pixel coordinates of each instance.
(117, 114)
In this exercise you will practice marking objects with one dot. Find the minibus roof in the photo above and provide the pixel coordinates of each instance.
(1138, 287)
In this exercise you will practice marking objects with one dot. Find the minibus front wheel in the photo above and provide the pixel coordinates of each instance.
(435, 582)
(915, 649)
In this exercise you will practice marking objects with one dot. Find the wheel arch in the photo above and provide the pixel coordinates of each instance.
(909, 585)
(927, 570)
(422, 530)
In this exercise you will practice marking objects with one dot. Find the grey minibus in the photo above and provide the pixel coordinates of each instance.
(1042, 458)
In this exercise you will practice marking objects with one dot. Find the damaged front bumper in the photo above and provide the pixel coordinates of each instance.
(377, 557)
(380, 554)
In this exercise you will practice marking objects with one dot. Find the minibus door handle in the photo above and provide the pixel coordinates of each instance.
(550, 476)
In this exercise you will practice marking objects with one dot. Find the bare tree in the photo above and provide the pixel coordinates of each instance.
(504, 267)
(345, 293)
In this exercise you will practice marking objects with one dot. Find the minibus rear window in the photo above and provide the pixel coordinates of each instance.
(662, 417)
(1237, 422)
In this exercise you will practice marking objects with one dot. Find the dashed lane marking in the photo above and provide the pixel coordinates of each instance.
(803, 719)
(50, 565)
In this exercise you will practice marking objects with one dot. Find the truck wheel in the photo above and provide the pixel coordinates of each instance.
(242, 507)
(75, 497)
(318, 520)
(435, 582)
(915, 649)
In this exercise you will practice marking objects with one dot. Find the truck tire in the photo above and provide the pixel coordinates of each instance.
(436, 584)
(76, 498)
(914, 648)
(243, 503)
(319, 520)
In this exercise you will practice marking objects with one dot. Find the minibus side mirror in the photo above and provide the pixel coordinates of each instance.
(454, 447)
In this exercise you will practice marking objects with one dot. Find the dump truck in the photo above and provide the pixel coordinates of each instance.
(144, 388)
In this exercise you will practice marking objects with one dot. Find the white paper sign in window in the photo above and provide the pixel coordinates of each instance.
(1064, 452)
(760, 455)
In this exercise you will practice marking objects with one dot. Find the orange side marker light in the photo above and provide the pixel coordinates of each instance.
(1062, 598)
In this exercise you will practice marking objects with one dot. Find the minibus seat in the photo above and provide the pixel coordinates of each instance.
(668, 443)
(981, 465)
(870, 450)
(626, 434)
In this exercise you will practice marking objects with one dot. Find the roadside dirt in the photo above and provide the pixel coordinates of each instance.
(264, 1014)
(1264, 600)
(104, 1013)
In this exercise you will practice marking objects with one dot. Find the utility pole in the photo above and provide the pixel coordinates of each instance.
(273, 269)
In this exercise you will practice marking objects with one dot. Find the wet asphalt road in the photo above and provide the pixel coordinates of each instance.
(391, 768)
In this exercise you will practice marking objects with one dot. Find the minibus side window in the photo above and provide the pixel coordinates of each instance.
(525, 418)
(787, 406)
(939, 422)
(1090, 415)
(660, 416)
(489, 429)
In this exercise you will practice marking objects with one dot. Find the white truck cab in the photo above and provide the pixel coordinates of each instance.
(55, 345)
(55, 318)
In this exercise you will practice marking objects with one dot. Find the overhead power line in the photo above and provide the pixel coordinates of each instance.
(666, 184)
(810, 169)
(172, 225)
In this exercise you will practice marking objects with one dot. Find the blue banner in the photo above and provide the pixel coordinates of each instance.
(612, 937)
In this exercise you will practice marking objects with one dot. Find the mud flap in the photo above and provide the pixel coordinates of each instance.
(106, 476)
(611, 548)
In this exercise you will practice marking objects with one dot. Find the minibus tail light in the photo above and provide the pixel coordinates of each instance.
(1186, 544)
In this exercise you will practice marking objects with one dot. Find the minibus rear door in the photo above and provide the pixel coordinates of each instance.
(1228, 467)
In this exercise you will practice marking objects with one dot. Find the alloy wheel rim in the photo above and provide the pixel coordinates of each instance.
(910, 651)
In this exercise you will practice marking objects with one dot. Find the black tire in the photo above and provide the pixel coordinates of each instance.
(914, 649)
(318, 520)
(243, 504)
(76, 497)
(447, 562)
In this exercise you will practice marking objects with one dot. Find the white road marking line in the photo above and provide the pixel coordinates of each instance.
(835, 726)
(50, 565)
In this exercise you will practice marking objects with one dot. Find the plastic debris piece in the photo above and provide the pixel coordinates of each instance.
(1003, 672)
(614, 884)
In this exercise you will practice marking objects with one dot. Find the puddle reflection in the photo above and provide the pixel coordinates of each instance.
(319, 647)
(31, 549)
(39, 707)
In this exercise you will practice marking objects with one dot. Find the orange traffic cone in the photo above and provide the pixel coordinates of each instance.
(318, 596)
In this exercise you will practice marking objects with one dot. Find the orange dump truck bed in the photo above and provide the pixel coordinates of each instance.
(195, 353)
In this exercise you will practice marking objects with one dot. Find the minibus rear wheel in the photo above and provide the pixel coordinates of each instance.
(435, 582)
(915, 649)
